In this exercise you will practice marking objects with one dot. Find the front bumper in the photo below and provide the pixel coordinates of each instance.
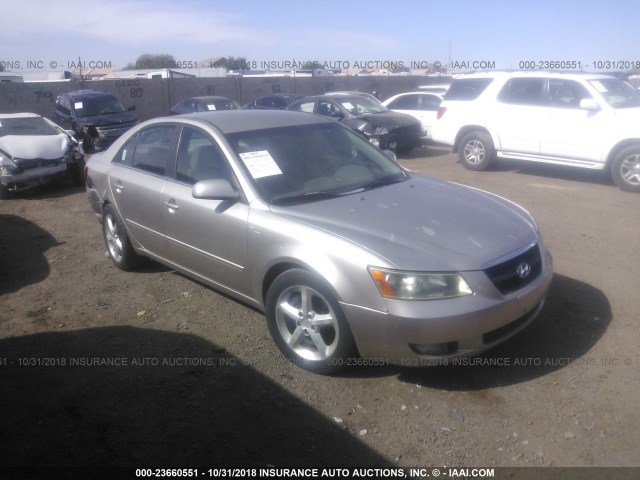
(34, 177)
(450, 328)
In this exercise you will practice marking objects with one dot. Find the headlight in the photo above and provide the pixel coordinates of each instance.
(7, 165)
(419, 286)
(380, 131)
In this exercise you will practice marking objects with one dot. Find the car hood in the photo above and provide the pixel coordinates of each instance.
(389, 120)
(108, 119)
(423, 224)
(47, 147)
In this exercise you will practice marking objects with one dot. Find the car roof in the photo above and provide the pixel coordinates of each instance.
(336, 98)
(209, 98)
(233, 121)
(281, 95)
(87, 93)
(20, 115)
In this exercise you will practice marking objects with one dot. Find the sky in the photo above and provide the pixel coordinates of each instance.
(40, 34)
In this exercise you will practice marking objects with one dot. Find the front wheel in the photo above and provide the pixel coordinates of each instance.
(307, 323)
(118, 244)
(77, 173)
(88, 143)
(625, 169)
(476, 151)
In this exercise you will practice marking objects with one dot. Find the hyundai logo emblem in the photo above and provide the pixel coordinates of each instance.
(523, 270)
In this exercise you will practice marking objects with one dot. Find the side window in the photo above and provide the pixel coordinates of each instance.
(565, 93)
(153, 149)
(467, 88)
(62, 106)
(522, 91)
(405, 102)
(279, 103)
(264, 102)
(327, 109)
(305, 106)
(200, 158)
(430, 102)
(125, 155)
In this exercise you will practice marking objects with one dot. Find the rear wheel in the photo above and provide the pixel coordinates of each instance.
(307, 323)
(117, 241)
(476, 151)
(625, 169)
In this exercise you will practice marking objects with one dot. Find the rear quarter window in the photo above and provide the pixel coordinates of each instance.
(467, 88)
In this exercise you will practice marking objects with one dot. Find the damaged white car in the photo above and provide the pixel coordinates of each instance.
(35, 151)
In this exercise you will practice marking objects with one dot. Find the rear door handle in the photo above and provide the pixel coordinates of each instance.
(117, 184)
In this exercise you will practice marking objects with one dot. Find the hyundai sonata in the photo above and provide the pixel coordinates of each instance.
(349, 255)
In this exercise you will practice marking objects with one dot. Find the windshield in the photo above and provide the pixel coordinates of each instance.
(360, 105)
(617, 93)
(311, 162)
(221, 105)
(90, 107)
(27, 126)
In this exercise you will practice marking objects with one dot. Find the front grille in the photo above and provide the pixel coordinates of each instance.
(505, 275)
(410, 132)
(114, 131)
(28, 164)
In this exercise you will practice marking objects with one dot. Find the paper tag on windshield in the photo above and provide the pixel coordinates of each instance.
(77, 105)
(260, 164)
(211, 107)
(348, 105)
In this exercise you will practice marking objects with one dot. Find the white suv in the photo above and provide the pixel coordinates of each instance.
(582, 120)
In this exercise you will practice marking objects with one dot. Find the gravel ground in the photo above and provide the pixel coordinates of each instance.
(103, 368)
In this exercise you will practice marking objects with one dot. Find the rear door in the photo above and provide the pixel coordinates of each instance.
(136, 183)
(206, 237)
(519, 115)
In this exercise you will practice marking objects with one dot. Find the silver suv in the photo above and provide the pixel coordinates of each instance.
(581, 120)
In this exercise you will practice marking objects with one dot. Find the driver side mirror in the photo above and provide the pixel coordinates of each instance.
(215, 189)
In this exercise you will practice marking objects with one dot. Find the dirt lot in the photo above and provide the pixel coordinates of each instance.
(194, 380)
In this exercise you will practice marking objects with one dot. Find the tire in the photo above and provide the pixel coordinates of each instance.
(4, 192)
(88, 143)
(117, 241)
(311, 333)
(625, 169)
(476, 151)
(77, 173)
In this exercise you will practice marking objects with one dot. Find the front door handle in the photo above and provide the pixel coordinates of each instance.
(171, 205)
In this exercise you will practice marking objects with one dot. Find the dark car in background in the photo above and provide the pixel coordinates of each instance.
(386, 129)
(203, 104)
(274, 102)
(97, 118)
(35, 151)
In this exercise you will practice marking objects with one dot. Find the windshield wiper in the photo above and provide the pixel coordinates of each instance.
(382, 183)
(309, 196)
